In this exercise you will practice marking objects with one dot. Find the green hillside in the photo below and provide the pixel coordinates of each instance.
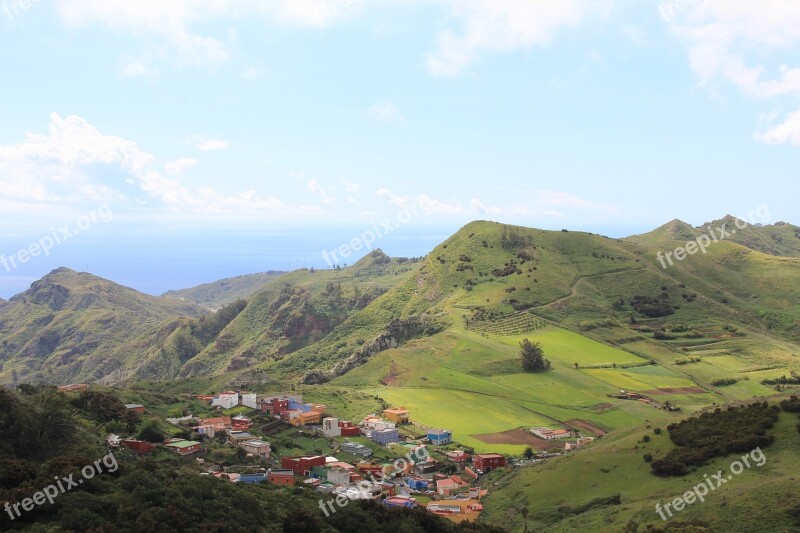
(709, 328)
(441, 336)
(72, 326)
(577, 491)
(225, 291)
(688, 336)
(297, 310)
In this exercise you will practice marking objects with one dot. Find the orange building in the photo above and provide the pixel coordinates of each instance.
(398, 415)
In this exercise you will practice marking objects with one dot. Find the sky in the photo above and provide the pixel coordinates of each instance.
(164, 144)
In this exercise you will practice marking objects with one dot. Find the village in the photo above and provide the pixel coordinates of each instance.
(385, 457)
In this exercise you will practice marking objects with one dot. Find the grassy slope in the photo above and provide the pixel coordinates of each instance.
(259, 333)
(468, 379)
(219, 293)
(77, 327)
(753, 501)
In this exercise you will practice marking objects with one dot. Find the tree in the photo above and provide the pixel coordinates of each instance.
(533, 356)
(576, 366)
(528, 453)
(151, 433)
(131, 420)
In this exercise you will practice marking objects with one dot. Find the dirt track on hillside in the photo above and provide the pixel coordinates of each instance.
(518, 436)
(586, 426)
(674, 390)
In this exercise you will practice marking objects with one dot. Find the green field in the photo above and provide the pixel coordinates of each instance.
(750, 501)
(473, 384)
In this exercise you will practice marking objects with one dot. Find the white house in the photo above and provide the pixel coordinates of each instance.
(551, 434)
(330, 427)
(226, 400)
(338, 475)
(376, 423)
(249, 400)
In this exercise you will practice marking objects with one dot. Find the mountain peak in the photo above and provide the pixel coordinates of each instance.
(674, 230)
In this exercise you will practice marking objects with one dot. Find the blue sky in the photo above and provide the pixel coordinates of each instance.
(210, 118)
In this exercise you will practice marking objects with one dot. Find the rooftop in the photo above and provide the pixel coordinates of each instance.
(257, 442)
(182, 444)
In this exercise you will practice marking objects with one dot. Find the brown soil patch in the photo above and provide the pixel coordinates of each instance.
(586, 426)
(603, 406)
(674, 390)
(519, 436)
(391, 377)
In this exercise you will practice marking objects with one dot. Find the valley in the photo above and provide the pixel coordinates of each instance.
(631, 346)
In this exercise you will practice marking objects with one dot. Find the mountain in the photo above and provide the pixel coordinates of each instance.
(72, 326)
(572, 279)
(780, 239)
(297, 310)
(710, 328)
(488, 279)
(684, 327)
(222, 292)
(674, 230)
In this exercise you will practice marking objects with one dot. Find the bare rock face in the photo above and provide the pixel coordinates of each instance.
(52, 295)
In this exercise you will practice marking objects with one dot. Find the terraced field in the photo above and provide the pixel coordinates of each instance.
(513, 324)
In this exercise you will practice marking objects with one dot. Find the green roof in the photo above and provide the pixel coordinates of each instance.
(182, 443)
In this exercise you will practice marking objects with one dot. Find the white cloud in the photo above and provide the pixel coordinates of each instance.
(175, 21)
(350, 187)
(479, 207)
(487, 25)
(253, 73)
(314, 187)
(54, 168)
(170, 21)
(138, 69)
(314, 13)
(787, 132)
(729, 39)
(432, 206)
(179, 165)
(503, 26)
(205, 144)
(385, 112)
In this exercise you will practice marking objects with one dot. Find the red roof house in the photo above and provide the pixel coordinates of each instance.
(488, 461)
(139, 446)
(348, 429)
(281, 477)
(302, 466)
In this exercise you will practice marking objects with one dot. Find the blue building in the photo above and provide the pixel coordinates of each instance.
(386, 436)
(440, 437)
(417, 483)
(252, 478)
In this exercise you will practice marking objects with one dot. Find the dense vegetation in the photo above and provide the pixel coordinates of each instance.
(190, 339)
(43, 436)
(716, 434)
(653, 306)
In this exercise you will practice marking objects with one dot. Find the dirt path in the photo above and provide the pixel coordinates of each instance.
(518, 436)
(675, 390)
(586, 426)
